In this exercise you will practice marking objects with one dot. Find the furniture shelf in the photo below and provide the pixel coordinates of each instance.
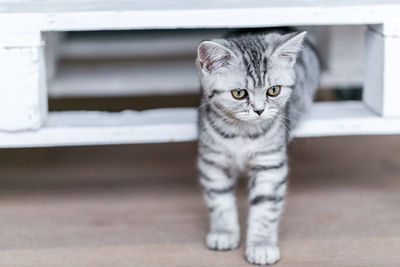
(102, 79)
(71, 128)
(28, 43)
(62, 15)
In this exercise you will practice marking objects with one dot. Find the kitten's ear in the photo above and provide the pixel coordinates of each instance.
(292, 43)
(213, 56)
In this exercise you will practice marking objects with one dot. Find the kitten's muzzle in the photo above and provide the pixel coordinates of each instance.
(259, 111)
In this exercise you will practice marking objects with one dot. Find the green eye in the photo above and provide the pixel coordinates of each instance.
(239, 93)
(274, 90)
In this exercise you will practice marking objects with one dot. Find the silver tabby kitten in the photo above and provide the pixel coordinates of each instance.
(254, 90)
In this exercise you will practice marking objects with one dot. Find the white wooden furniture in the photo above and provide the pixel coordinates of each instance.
(24, 120)
(100, 64)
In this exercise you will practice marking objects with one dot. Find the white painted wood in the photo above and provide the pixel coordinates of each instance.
(52, 44)
(62, 15)
(126, 78)
(173, 125)
(21, 38)
(337, 78)
(137, 44)
(342, 52)
(23, 96)
(169, 62)
(154, 77)
(381, 87)
(374, 62)
(94, 128)
(345, 118)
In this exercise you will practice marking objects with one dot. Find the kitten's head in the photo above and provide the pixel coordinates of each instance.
(249, 78)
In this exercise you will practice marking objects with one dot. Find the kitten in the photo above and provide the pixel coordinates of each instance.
(253, 95)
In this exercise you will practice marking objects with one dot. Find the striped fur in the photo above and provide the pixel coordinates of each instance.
(234, 140)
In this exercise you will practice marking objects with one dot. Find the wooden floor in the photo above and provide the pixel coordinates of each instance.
(141, 206)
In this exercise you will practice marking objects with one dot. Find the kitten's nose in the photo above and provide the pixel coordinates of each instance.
(259, 111)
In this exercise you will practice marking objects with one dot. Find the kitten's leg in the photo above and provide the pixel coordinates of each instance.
(218, 184)
(267, 190)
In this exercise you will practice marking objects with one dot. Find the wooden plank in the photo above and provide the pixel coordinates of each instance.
(343, 79)
(125, 78)
(23, 94)
(374, 59)
(65, 15)
(175, 125)
(21, 38)
(345, 118)
(153, 77)
(52, 41)
(381, 86)
(342, 52)
(135, 44)
(94, 127)
(163, 62)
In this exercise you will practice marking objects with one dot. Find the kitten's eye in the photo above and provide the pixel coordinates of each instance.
(239, 93)
(274, 90)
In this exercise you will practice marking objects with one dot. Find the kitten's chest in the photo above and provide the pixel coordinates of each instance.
(241, 150)
(239, 153)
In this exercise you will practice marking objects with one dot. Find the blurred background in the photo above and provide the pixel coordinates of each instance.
(116, 70)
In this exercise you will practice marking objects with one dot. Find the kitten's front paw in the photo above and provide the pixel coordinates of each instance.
(262, 255)
(222, 240)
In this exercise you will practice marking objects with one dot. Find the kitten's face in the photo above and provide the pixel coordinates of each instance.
(251, 79)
